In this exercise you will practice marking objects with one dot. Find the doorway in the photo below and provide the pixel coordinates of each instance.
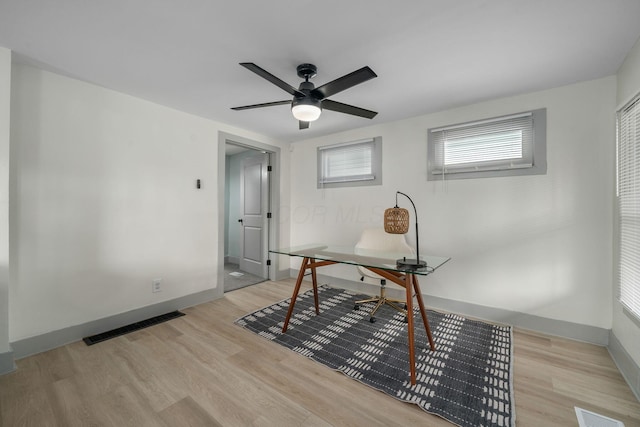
(249, 226)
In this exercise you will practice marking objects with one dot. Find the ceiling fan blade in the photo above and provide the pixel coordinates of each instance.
(266, 104)
(328, 104)
(273, 79)
(303, 125)
(344, 82)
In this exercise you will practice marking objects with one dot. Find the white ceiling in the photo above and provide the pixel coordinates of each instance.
(429, 54)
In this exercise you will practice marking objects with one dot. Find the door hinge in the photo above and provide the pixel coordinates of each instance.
(269, 168)
(268, 215)
(268, 262)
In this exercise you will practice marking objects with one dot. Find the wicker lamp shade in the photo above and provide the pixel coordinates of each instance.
(396, 220)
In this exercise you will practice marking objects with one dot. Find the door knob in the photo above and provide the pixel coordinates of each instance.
(240, 221)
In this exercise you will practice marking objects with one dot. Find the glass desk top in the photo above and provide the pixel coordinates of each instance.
(362, 257)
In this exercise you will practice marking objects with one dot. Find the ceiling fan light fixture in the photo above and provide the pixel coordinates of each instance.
(306, 109)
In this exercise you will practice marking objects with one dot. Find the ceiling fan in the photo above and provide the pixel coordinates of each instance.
(308, 100)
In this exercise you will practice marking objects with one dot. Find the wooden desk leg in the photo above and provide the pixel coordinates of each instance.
(303, 267)
(314, 280)
(423, 312)
(412, 357)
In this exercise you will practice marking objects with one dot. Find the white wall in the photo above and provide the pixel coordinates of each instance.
(539, 245)
(104, 200)
(628, 332)
(5, 104)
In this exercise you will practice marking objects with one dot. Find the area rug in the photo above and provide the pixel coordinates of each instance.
(468, 380)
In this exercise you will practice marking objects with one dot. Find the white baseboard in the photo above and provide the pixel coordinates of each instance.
(7, 363)
(627, 366)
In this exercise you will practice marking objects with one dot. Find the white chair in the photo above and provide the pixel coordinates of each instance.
(378, 239)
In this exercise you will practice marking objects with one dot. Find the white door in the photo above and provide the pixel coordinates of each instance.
(254, 186)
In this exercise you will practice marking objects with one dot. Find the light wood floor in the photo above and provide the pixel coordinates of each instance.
(202, 370)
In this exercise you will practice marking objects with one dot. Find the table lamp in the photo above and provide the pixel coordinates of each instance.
(396, 221)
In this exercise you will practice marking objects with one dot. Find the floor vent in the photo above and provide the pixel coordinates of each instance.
(591, 419)
(94, 339)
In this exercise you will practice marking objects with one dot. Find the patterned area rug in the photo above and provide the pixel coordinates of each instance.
(468, 380)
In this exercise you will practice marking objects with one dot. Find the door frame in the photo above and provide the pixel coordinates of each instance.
(274, 201)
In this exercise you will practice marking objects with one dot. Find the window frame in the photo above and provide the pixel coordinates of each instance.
(498, 168)
(346, 181)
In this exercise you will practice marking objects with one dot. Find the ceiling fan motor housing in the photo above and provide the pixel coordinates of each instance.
(306, 87)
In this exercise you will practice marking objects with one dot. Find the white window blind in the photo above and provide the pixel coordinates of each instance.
(347, 162)
(486, 145)
(628, 192)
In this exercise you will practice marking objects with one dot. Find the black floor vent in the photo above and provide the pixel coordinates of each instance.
(94, 339)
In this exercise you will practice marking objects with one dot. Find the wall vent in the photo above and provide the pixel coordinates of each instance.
(591, 419)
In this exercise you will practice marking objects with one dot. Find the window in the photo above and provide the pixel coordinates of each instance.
(350, 164)
(628, 196)
(501, 146)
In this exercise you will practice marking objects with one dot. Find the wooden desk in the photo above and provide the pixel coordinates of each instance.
(381, 263)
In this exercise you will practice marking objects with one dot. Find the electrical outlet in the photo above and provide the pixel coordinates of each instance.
(155, 285)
